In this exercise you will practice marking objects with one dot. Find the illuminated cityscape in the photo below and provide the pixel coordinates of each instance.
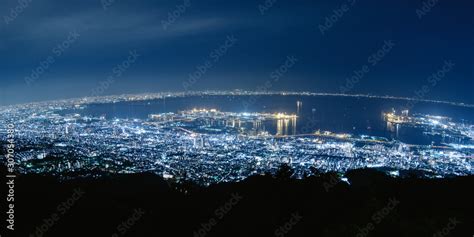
(237, 118)
(209, 146)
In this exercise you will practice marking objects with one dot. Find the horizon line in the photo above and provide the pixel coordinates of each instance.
(235, 92)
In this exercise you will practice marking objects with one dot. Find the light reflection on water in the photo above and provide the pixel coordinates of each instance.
(358, 116)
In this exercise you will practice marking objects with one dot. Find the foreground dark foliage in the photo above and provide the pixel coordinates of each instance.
(146, 205)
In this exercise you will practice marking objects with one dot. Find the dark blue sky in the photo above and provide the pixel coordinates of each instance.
(30, 33)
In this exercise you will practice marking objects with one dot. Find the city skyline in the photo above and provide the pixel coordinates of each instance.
(254, 95)
(169, 139)
(237, 118)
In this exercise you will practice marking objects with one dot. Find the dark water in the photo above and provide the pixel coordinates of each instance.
(358, 116)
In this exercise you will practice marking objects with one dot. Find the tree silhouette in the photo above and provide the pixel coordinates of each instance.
(284, 172)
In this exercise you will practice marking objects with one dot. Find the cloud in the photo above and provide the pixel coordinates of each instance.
(99, 27)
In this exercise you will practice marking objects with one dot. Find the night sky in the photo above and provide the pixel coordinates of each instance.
(330, 40)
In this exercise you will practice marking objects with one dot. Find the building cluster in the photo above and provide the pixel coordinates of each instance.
(209, 146)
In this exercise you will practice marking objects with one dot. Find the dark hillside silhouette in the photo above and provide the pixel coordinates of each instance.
(373, 204)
